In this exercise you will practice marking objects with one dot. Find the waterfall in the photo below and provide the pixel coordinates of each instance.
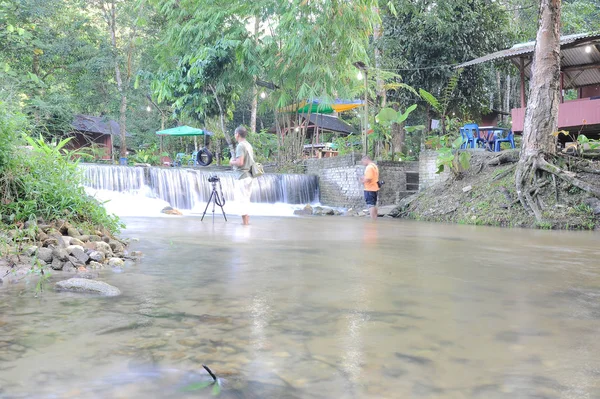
(185, 188)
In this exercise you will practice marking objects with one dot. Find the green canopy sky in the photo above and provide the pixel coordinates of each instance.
(184, 131)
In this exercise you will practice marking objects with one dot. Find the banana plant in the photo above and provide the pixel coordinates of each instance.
(387, 116)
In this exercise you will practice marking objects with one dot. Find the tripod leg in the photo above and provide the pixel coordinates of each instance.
(222, 210)
(207, 204)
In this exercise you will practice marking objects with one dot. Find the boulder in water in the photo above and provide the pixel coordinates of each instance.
(307, 210)
(171, 211)
(116, 262)
(84, 285)
(96, 256)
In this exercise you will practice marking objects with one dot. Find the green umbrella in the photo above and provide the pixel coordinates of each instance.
(184, 131)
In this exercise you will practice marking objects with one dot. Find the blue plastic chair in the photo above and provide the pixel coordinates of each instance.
(193, 162)
(472, 134)
(465, 140)
(510, 138)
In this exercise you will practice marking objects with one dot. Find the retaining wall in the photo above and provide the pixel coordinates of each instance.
(339, 180)
(428, 168)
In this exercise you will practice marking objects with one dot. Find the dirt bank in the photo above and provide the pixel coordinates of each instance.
(486, 195)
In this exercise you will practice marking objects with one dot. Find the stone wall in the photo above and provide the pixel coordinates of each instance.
(339, 180)
(339, 183)
(398, 182)
(428, 168)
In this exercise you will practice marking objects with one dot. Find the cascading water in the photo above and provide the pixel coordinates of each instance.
(188, 189)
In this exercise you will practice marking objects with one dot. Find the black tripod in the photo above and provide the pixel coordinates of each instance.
(216, 197)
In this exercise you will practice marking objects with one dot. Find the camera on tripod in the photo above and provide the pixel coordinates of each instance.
(216, 197)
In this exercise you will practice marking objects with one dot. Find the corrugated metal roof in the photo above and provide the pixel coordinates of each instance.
(572, 53)
(95, 124)
(330, 123)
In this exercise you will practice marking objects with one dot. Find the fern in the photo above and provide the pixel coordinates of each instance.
(431, 100)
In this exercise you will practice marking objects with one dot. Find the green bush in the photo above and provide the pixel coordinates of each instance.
(39, 180)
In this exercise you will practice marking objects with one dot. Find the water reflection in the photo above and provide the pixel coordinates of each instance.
(319, 308)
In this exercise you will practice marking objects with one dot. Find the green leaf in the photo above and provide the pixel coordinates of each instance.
(457, 142)
(10, 28)
(464, 159)
(387, 115)
(416, 128)
(216, 389)
(440, 169)
(196, 386)
(406, 113)
(431, 100)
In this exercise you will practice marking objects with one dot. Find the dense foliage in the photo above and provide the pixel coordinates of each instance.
(216, 63)
(38, 180)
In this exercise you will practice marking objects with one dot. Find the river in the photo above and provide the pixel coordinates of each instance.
(329, 307)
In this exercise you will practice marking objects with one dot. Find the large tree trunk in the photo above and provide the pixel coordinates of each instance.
(222, 120)
(506, 105)
(254, 105)
(122, 125)
(541, 117)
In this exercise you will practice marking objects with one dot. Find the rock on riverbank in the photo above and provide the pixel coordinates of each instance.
(87, 286)
(59, 247)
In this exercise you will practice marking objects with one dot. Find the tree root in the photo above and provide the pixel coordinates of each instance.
(527, 175)
(510, 156)
(502, 175)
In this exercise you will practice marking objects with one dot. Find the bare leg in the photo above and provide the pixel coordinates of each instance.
(373, 212)
(245, 220)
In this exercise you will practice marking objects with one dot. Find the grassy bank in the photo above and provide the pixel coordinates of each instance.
(40, 186)
(486, 195)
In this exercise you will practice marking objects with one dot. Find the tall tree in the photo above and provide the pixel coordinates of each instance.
(541, 117)
(122, 22)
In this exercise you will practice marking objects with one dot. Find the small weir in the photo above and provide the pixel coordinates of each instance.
(185, 188)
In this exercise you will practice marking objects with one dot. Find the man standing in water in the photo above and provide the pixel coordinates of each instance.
(370, 180)
(244, 157)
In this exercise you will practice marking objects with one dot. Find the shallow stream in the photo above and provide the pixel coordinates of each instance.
(318, 308)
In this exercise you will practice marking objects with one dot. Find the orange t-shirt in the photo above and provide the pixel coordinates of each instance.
(371, 177)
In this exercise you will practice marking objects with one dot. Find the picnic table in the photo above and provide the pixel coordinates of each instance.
(489, 134)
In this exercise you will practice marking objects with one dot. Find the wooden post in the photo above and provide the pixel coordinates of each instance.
(522, 71)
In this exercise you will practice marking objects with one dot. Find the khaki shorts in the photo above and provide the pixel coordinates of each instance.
(243, 194)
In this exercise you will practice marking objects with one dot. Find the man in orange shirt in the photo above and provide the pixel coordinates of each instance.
(370, 180)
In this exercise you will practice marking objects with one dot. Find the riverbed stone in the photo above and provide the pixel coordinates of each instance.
(76, 241)
(44, 254)
(96, 256)
(116, 246)
(31, 250)
(57, 264)
(73, 232)
(69, 267)
(116, 262)
(83, 238)
(70, 248)
(60, 254)
(84, 285)
(50, 242)
(103, 247)
(65, 241)
(95, 265)
(94, 238)
(80, 255)
(41, 236)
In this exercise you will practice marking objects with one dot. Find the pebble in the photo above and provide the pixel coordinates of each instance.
(116, 262)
